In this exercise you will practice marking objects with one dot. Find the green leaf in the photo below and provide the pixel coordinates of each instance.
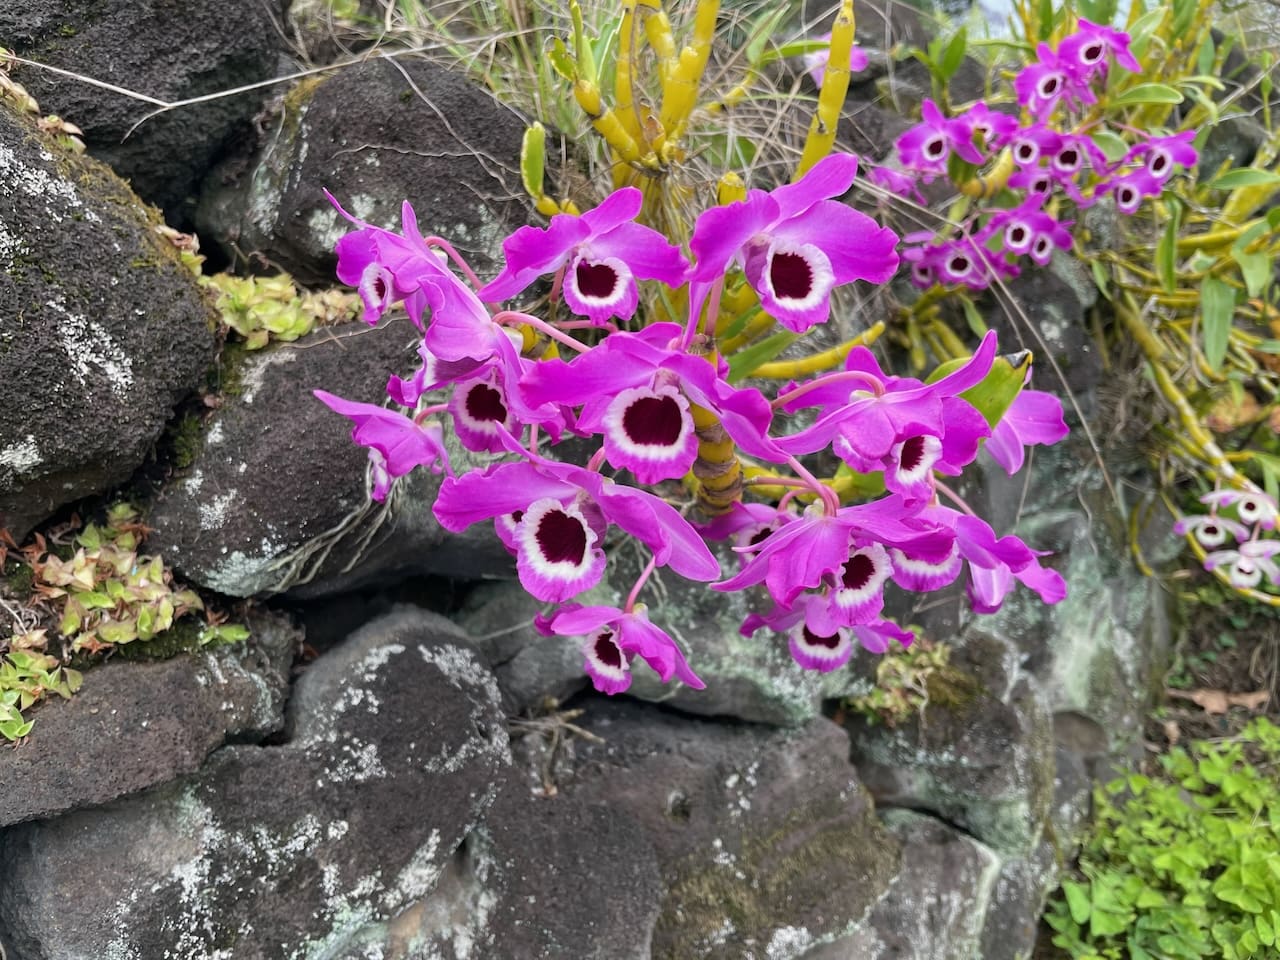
(1167, 249)
(1100, 277)
(93, 600)
(1113, 146)
(1217, 308)
(561, 60)
(953, 55)
(1077, 895)
(533, 159)
(1147, 93)
(1206, 55)
(1044, 17)
(762, 31)
(1143, 27)
(998, 389)
(744, 363)
(1245, 177)
(973, 317)
(1255, 269)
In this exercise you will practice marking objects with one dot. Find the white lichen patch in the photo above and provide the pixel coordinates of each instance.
(418, 877)
(89, 345)
(215, 433)
(253, 376)
(356, 762)
(214, 513)
(239, 574)
(788, 943)
(19, 457)
(59, 194)
(11, 247)
(467, 673)
(194, 482)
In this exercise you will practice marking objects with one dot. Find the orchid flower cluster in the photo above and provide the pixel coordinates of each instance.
(1050, 151)
(1252, 556)
(639, 389)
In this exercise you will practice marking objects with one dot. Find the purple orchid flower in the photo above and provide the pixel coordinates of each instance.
(633, 388)
(816, 641)
(991, 128)
(815, 63)
(896, 182)
(994, 563)
(807, 551)
(400, 444)
(1034, 417)
(1210, 530)
(795, 245)
(1040, 86)
(1252, 506)
(879, 410)
(927, 146)
(1131, 188)
(556, 544)
(616, 637)
(1248, 564)
(602, 252)
(1084, 53)
(1162, 154)
(1029, 144)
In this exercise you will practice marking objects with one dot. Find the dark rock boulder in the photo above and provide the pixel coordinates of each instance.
(278, 497)
(156, 720)
(396, 749)
(167, 51)
(979, 754)
(102, 329)
(766, 840)
(542, 879)
(375, 135)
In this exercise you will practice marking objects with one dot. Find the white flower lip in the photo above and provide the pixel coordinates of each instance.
(650, 431)
(556, 551)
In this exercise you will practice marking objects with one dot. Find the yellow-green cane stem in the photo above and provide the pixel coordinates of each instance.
(680, 86)
(835, 84)
(818, 362)
(623, 78)
(717, 470)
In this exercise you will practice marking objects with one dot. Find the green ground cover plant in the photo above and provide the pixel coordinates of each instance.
(1182, 864)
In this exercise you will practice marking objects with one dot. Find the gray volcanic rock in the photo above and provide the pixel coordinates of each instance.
(397, 748)
(766, 840)
(156, 720)
(542, 879)
(278, 495)
(102, 329)
(375, 135)
(167, 51)
(980, 754)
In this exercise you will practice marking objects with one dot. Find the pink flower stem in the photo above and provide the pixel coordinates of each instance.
(954, 497)
(515, 317)
(422, 414)
(712, 310)
(764, 480)
(830, 499)
(640, 582)
(597, 458)
(443, 244)
(556, 283)
(587, 325)
(876, 385)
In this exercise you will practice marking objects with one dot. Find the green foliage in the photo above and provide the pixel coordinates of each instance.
(98, 593)
(1185, 864)
(261, 309)
(27, 677)
(909, 680)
